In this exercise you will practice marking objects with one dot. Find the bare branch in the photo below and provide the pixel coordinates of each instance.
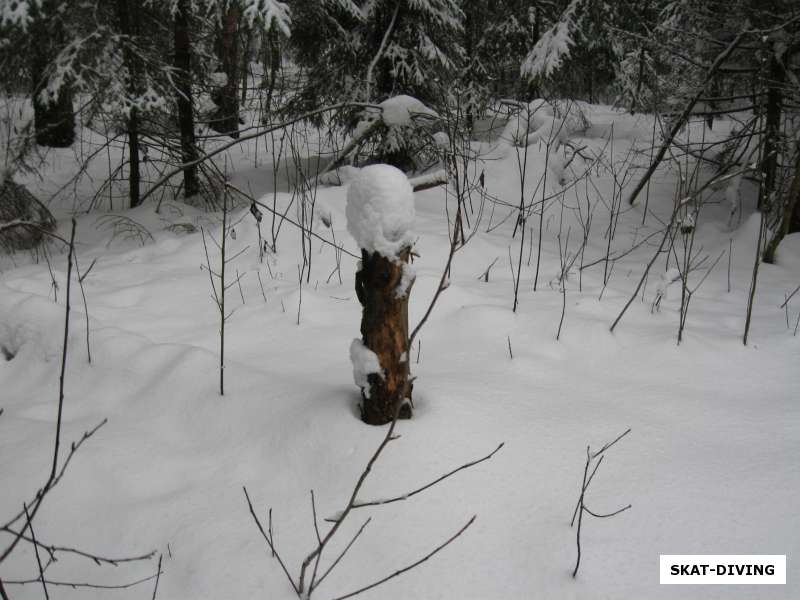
(599, 516)
(678, 124)
(609, 444)
(158, 576)
(358, 504)
(77, 585)
(341, 556)
(36, 552)
(412, 565)
(208, 155)
(268, 539)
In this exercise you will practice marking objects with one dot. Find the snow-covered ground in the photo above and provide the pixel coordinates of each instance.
(710, 467)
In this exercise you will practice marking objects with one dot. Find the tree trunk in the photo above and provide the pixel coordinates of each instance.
(471, 35)
(247, 41)
(532, 86)
(183, 82)
(384, 330)
(134, 176)
(639, 81)
(226, 117)
(769, 163)
(128, 26)
(794, 222)
(272, 55)
(54, 119)
(790, 220)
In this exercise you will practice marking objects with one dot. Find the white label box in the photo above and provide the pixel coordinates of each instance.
(723, 569)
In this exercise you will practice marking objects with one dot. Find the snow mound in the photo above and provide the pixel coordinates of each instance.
(528, 118)
(441, 139)
(399, 111)
(666, 280)
(380, 210)
(365, 362)
(394, 112)
(219, 79)
(541, 121)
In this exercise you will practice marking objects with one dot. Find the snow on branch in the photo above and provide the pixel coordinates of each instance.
(271, 13)
(553, 47)
(429, 180)
(17, 12)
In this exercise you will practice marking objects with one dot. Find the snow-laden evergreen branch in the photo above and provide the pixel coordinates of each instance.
(553, 47)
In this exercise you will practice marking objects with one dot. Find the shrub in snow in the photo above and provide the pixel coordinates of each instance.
(18, 205)
(401, 132)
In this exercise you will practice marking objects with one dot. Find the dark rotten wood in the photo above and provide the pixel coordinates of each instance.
(384, 330)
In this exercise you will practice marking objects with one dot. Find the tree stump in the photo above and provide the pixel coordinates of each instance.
(383, 292)
(380, 213)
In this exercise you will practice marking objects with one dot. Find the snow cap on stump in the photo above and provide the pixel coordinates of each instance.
(380, 210)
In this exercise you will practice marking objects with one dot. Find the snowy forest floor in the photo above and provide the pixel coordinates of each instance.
(710, 466)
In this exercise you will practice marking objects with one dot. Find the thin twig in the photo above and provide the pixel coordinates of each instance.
(341, 555)
(412, 565)
(76, 585)
(609, 444)
(158, 577)
(599, 516)
(358, 504)
(790, 296)
(63, 353)
(268, 539)
(36, 552)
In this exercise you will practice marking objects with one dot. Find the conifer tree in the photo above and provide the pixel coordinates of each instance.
(369, 50)
(54, 118)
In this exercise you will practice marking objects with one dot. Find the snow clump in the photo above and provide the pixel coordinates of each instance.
(399, 111)
(406, 281)
(365, 362)
(380, 210)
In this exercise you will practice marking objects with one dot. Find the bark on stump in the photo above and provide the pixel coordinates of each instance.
(384, 330)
